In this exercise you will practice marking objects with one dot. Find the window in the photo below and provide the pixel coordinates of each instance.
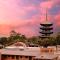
(4, 56)
(8, 55)
(20, 56)
(17, 57)
(26, 56)
(30, 58)
(13, 56)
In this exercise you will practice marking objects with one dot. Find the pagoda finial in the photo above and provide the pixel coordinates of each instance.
(46, 15)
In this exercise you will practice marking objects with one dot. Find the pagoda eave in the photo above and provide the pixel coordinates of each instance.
(46, 28)
(46, 24)
(46, 32)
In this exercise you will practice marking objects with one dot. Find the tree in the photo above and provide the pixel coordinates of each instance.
(3, 40)
(23, 38)
(14, 35)
(58, 39)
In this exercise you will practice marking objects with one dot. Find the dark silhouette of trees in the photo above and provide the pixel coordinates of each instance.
(58, 39)
(3, 41)
(15, 36)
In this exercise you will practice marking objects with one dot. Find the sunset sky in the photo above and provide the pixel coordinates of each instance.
(25, 16)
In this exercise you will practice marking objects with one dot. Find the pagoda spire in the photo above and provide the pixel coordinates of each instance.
(46, 16)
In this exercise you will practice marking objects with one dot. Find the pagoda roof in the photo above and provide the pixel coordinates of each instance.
(46, 23)
(46, 32)
(43, 28)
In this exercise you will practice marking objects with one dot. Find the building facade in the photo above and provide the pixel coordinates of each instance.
(22, 52)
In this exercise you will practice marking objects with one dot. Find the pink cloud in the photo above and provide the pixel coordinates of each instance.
(46, 6)
(27, 31)
(11, 16)
(5, 29)
(57, 19)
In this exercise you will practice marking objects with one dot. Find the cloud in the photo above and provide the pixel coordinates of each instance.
(57, 20)
(46, 5)
(25, 16)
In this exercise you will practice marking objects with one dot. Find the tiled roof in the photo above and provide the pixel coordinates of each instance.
(46, 56)
(24, 52)
(27, 51)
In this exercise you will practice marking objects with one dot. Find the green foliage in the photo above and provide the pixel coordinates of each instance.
(14, 36)
(52, 41)
(3, 40)
(58, 39)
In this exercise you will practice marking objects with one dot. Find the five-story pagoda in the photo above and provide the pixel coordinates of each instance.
(46, 29)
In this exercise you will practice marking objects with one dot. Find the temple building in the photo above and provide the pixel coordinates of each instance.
(19, 51)
(46, 28)
(27, 53)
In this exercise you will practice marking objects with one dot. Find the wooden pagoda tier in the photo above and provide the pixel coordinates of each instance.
(46, 32)
(46, 28)
(46, 24)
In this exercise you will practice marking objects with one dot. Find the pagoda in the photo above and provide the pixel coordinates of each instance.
(46, 28)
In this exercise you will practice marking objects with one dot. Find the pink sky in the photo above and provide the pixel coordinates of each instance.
(24, 16)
